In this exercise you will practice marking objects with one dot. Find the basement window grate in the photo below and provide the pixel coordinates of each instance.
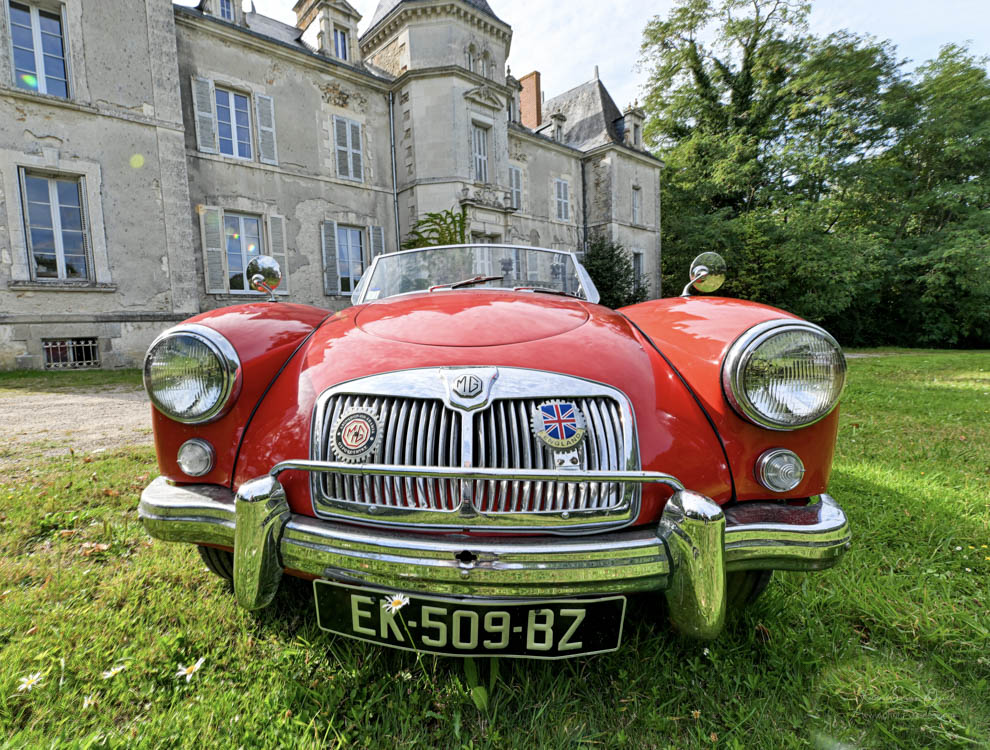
(71, 354)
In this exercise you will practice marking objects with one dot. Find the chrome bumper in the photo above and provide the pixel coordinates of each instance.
(687, 556)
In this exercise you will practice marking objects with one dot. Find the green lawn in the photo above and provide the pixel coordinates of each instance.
(890, 649)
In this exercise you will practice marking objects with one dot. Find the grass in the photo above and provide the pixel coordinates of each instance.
(890, 649)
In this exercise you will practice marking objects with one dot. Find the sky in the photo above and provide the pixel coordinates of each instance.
(566, 40)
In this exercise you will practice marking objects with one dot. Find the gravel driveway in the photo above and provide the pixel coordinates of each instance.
(86, 420)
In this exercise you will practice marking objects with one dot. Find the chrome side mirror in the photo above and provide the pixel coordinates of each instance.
(265, 275)
(707, 274)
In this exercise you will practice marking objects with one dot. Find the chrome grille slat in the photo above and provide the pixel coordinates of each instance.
(429, 448)
(523, 431)
(421, 430)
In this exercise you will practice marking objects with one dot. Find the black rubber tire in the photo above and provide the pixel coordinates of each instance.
(744, 587)
(219, 561)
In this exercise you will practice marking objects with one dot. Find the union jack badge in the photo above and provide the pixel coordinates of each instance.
(559, 424)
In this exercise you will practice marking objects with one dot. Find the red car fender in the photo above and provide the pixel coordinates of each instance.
(694, 334)
(264, 335)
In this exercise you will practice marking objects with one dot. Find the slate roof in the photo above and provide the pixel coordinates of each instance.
(593, 119)
(282, 32)
(387, 6)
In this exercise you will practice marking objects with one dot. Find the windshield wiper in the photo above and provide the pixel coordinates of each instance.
(467, 282)
(545, 290)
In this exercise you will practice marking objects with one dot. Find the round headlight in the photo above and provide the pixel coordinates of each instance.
(784, 374)
(192, 374)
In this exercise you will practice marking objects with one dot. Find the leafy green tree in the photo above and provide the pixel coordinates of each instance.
(446, 227)
(611, 268)
(835, 185)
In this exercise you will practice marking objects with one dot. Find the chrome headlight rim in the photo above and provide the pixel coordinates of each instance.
(226, 355)
(742, 351)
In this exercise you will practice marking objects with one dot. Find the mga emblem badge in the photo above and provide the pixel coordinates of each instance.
(356, 435)
(559, 424)
(468, 386)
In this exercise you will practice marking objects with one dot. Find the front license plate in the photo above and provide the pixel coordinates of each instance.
(551, 629)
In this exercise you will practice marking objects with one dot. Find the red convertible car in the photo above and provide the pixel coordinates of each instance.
(476, 458)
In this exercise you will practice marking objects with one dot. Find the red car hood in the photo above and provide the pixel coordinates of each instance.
(490, 328)
(488, 319)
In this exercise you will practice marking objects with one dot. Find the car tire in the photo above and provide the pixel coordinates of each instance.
(744, 587)
(219, 561)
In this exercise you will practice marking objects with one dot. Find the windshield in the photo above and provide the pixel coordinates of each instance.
(510, 268)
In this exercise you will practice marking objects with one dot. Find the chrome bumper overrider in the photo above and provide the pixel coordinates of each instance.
(686, 556)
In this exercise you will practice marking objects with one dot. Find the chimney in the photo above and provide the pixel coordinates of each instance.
(531, 101)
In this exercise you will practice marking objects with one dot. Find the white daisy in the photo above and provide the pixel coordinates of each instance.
(89, 701)
(29, 683)
(189, 671)
(394, 602)
(113, 671)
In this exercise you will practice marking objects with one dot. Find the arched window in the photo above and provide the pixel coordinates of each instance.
(472, 54)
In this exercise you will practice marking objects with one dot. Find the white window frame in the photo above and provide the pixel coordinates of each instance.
(515, 187)
(55, 211)
(637, 205)
(263, 243)
(38, 51)
(231, 93)
(341, 43)
(227, 10)
(344, 230)
(562, 193)
(480, 151)
(350, 149)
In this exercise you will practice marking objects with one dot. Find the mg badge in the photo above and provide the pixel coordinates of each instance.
(559, 424)
(468, 386)
(356, 435)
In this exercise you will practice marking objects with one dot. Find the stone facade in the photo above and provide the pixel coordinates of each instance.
(188, 140)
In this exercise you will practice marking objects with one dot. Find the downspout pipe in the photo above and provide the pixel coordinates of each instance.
(584, 204)
(395, 187)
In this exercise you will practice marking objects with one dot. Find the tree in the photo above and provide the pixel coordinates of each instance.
(611, 268)
(446, 227)
(835, 185)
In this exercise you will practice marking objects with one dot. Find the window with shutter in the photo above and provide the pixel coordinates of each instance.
(278, 249)
(267, 145)
(348, 147)
(38, 46)
(233, 123)
(206, 119)
(328, 235)
(479, 140)
(56, 227)
(637, 206)
(563, 200)
(377, 241)
(350, 258)
(214, 253)
(515, 186)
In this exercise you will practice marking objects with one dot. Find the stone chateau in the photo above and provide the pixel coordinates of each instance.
(148, 151)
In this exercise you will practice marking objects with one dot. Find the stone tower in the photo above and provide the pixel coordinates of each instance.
(451, 107)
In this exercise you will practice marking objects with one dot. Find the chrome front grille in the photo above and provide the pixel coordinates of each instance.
(416, 432)
(423, 425)
(505, 440)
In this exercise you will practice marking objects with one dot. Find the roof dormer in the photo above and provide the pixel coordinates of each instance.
(226, 10)
(330, 28)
